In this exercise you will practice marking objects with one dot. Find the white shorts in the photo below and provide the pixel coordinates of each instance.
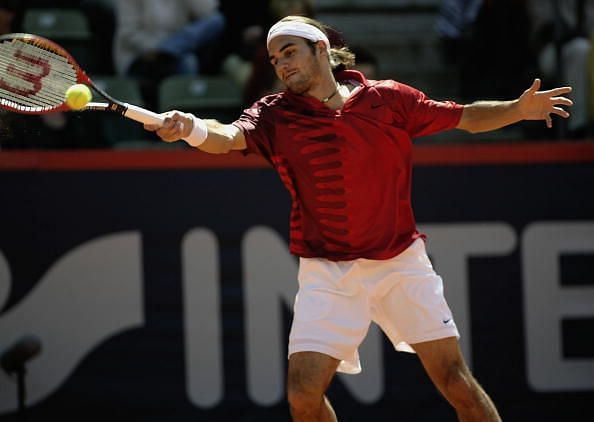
(337, 301)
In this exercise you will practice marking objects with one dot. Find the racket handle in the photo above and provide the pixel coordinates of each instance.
(143, 115)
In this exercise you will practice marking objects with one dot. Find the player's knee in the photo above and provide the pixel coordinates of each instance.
(304, 400)
(309, 375)
(303, 394)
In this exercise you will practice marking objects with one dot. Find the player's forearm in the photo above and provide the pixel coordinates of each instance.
(221, 138)
(483, 116)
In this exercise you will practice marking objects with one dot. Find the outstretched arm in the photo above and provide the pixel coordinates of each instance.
(483, 116)
(220, 138)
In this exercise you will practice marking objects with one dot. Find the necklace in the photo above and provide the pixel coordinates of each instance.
(328, 98)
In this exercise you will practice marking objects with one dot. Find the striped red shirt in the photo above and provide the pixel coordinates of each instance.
(348, 171)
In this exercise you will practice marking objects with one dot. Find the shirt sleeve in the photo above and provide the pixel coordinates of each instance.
(420, 115)
(257, 126)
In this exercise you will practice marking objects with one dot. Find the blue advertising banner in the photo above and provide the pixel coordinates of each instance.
(161, 288)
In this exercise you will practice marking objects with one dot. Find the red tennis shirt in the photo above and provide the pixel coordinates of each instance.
(348, 171)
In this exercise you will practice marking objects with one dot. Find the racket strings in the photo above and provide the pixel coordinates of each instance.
(55, 82)
(29, 88)
(63, 66)
(24, 67)
(60, 64)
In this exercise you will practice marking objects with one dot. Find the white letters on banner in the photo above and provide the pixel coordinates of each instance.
(96, 291)
(90, 294)
(202, 318)
(546, 303)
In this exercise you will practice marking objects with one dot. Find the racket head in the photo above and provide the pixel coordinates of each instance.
(35, 74)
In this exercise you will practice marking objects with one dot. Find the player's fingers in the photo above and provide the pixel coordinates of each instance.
(170, 130)
(560, 112)
(186, 121)
(535, 85)
(169, 114)
(562, 101)
(165, 136)
(170, 118)
(178, 115)
(181, 122)
(151, 127)
(555, 92)
(171, 126)
(549, 121)
(184, 117)
(176, 126)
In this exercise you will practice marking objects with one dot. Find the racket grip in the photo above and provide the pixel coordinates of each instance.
(143, 115)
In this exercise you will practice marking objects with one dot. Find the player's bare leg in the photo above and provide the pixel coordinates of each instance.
(445, 365)
(310, 374)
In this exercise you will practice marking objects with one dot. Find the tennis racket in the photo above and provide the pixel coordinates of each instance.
(36, 72)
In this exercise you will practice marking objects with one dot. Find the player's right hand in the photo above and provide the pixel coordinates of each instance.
(177, 125)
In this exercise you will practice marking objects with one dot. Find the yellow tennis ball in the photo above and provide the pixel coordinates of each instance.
(77, 96)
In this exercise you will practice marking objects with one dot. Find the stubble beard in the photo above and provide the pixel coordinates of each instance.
(305, 79)
(299, 86)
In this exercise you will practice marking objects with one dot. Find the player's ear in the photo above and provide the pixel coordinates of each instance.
(321, 47)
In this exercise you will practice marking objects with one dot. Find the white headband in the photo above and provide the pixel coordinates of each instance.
(297, 29)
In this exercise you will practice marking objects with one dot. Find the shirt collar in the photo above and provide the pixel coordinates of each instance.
(355, 75)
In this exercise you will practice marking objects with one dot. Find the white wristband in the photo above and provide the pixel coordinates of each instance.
(199, 132)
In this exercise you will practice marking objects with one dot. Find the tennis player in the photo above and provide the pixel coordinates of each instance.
(342, 146)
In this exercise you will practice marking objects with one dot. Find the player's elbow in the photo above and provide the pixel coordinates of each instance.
(470, 121)
(470, 129)
(216, 146)
(470, 125)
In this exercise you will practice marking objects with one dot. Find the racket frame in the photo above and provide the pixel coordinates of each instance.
(113, 105)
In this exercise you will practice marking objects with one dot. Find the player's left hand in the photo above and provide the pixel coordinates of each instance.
(539, 105)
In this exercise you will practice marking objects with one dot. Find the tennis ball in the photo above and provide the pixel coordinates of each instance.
(77, 96)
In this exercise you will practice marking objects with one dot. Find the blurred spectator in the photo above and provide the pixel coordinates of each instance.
(454, 25)
(7, 17)
(244, 30)
(158, 38)
(11, 15)
(569, 27)
(100, 15)
(490, 42)
(365, 62)
(49, 131)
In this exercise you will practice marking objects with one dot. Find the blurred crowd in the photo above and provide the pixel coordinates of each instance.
(497, 47)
